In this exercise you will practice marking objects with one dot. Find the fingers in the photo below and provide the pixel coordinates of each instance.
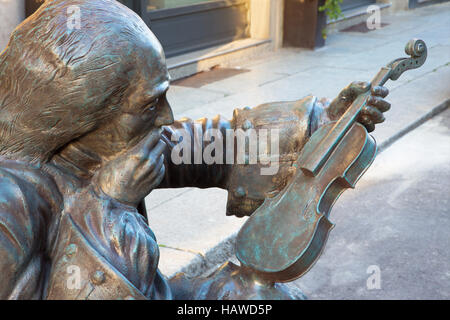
(367, 122)
(356, 88)
(131, 176)
(151, 165)
(376, 99)
(161, 174)
(369, 116)
(147, 144)
(380, 91)
(373, 114)
(155, 169)
(360, 86)
(158, 150)
(345, 98)
(155, 177)
(378, 103)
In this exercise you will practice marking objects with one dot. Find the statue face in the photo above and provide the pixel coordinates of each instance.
(143, 107)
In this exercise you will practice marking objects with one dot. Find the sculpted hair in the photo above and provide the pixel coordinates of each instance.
(58, 83)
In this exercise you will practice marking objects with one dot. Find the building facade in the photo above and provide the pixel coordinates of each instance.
(212, 27)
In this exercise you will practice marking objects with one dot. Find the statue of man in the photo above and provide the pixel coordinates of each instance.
(86, 134)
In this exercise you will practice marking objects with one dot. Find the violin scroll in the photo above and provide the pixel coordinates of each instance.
(417, 49)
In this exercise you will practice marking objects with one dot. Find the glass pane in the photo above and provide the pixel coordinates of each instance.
(128, 3)
(164, 4)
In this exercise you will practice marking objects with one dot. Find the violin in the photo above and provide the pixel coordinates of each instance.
(285, 236)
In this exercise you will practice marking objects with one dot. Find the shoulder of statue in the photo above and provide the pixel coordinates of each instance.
(32, 181)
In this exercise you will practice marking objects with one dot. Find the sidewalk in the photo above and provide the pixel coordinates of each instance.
(190, 224)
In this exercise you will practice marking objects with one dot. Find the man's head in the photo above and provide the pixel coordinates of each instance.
(100, 81)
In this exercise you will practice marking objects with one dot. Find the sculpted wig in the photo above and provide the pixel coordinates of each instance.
(59, 82)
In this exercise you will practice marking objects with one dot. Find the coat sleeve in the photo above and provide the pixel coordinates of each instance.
(187, 147)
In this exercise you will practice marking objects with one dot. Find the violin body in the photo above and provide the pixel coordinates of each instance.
(294, 235)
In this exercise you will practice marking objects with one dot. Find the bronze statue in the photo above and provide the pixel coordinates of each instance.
(86, 133)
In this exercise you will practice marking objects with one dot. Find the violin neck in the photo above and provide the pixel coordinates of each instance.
(381, 77)
(312, 162)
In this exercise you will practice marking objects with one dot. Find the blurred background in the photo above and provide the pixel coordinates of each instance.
(208, 23)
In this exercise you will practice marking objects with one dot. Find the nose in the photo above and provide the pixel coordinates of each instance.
(165, 115)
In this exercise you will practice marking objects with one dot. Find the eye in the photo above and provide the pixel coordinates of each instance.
(152, 105)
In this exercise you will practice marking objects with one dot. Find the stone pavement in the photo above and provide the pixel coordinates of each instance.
(190, 223)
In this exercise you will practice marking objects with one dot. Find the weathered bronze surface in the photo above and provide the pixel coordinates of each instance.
(86, 133)
(286, 234)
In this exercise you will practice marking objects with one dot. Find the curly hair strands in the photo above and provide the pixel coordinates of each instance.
(58, 83)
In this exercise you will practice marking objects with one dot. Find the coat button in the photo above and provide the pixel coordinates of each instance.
(98, 277)
(247, 125)
(71, 249)
(239, 192)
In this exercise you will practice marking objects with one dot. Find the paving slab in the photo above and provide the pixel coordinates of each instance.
(246, 81)
(189, 225)
(183, 98)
